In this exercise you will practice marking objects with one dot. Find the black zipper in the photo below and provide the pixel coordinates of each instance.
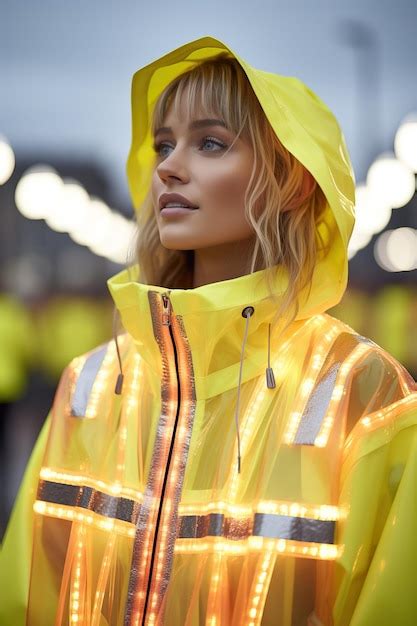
(166, 321)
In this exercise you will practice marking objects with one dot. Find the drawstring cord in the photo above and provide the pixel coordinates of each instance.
(247, 313)
(270, 378)
(120, 378)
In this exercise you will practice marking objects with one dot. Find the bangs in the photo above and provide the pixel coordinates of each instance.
(211, 90)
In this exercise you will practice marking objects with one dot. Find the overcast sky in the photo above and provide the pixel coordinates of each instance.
(66, 67)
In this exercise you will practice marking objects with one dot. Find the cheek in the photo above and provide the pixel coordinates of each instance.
(224, 215)
(228, 187)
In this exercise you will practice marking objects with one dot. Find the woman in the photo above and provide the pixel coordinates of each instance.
(237, 456)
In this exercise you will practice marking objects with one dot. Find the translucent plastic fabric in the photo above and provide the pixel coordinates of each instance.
(140, 515)
(133, 512)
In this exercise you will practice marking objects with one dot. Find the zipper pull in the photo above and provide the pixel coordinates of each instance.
(166, 310)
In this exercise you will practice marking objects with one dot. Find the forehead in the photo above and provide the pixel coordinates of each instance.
(185, 119)
(184, 107)
(181, 113)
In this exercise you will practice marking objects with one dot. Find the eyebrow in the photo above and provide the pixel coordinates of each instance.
(193, 125)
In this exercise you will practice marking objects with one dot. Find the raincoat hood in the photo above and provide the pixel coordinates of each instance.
(309, 130)
(300, 119)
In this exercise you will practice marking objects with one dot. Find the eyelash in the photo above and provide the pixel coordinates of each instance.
(158, 146)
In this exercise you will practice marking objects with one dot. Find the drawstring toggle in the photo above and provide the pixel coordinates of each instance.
(270, 378)
(119, 384)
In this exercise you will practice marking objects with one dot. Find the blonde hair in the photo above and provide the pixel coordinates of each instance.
(285, 238)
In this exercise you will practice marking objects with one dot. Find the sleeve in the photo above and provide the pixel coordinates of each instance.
(376, 574)
(25, 576)
(16, 551)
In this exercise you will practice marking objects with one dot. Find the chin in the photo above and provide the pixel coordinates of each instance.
(176, 243)
(179, 240)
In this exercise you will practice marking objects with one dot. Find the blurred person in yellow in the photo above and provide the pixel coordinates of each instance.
(236, 456)
(17, 350)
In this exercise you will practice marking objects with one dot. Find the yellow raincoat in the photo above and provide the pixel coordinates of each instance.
(132, 510)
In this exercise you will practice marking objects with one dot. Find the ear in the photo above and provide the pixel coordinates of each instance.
(307, 187)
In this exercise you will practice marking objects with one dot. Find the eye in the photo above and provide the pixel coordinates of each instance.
(213, 141)
(159, 146)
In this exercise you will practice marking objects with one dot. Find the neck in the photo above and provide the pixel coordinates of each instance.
(222, 262)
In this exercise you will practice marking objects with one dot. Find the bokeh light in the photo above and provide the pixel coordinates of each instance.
(396, 250)
(391, 180)
(70, 208)
(405, 142)
(38, 192)
(7, 160)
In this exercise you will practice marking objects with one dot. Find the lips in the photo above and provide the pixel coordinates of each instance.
(167, 198)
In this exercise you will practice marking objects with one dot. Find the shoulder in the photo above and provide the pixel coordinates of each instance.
(92, 373)
(376, 386)
(365, 355)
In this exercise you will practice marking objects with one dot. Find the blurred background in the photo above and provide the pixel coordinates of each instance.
(66, 218)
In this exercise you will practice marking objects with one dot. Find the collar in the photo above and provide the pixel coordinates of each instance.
(214, 325)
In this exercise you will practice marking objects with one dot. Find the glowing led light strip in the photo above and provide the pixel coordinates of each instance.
(338, 391)
(321, 551)
(407, 383)
(101, 382)
(75, 368)
(90, 518)
(212, 611)
(309, 382)
(357, 354)
(77, 591)
(325, 512)
(130, 404)
(102, 581)
(90, 377)
(252, 411)
(73, 478)
(375, 420)
(295, 509)
(260, 588)
(134, 385)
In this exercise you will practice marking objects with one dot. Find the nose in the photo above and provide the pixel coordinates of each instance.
(173, 166)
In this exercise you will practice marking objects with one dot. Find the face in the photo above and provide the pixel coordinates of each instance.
(192, 160)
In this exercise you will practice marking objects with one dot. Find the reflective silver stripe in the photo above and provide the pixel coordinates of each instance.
(192, 526)
(316, 408)
(85, 381)
(85, 497)
(214, 525)
(319, 400)
(201, 525)
(261, 525)
(296, 528)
